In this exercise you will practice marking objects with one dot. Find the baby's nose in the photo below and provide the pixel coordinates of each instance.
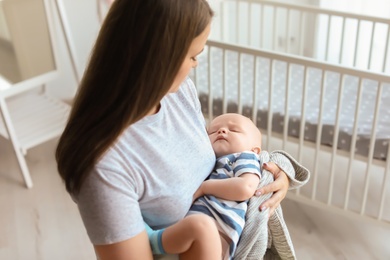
(222, 131)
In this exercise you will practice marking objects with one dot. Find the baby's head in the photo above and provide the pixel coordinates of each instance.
(233, 133)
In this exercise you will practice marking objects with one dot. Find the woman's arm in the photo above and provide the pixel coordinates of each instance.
(137, 247)
(288, 173)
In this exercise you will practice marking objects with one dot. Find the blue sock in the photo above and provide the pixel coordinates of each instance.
(155, 240)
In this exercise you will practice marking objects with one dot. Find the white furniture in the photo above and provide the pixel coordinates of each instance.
(29, 116)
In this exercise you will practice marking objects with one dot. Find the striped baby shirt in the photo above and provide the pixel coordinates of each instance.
(229, 215)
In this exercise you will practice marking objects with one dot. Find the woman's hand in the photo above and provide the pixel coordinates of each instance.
(279, 187)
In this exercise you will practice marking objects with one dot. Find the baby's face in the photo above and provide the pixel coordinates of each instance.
(233, 133)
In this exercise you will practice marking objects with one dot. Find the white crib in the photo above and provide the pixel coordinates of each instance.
(305, 106)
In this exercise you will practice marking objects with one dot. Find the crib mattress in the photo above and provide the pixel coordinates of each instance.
(237, 79)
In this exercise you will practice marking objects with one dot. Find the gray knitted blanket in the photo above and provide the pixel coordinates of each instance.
(264, 238)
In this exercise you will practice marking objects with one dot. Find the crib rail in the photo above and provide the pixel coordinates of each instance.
(264, 86)
(348, 39)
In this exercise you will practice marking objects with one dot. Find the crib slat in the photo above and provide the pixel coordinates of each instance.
(316, 25)
(224, 81)
(261, 27)
(303, 117)
(385, 184)
(371, 149)
(328, 38)
(239, 83)
(371, 45)
(275, 28)
(386, 49)
(342, 41)
(356, 43)
(249, 34)
(353, 144)
(211, 102)
(237, 38)
(303, 113)
(335, 141)
(301, 32)
(286, 105)
(287, 33)
(318, 135)
(255, 92)
(270, 105)
(222, 21)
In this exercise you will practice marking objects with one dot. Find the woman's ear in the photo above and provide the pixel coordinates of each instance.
(256, 149)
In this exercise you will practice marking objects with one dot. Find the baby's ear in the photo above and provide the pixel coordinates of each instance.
(256, 149)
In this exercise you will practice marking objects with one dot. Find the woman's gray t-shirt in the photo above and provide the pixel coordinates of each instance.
(150, 173)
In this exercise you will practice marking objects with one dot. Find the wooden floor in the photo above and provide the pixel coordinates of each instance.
(43, 222)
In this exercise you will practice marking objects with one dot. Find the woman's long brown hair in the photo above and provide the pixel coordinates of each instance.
(137, 55)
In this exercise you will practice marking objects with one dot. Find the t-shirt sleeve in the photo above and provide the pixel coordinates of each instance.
(247, 162)
(108, 205)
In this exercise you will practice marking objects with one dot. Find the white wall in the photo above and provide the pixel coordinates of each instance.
(4, 33)
(28, 30)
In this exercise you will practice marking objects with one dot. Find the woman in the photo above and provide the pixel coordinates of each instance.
(135, 147)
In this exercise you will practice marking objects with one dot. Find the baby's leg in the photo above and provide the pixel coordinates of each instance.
(194, 237)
